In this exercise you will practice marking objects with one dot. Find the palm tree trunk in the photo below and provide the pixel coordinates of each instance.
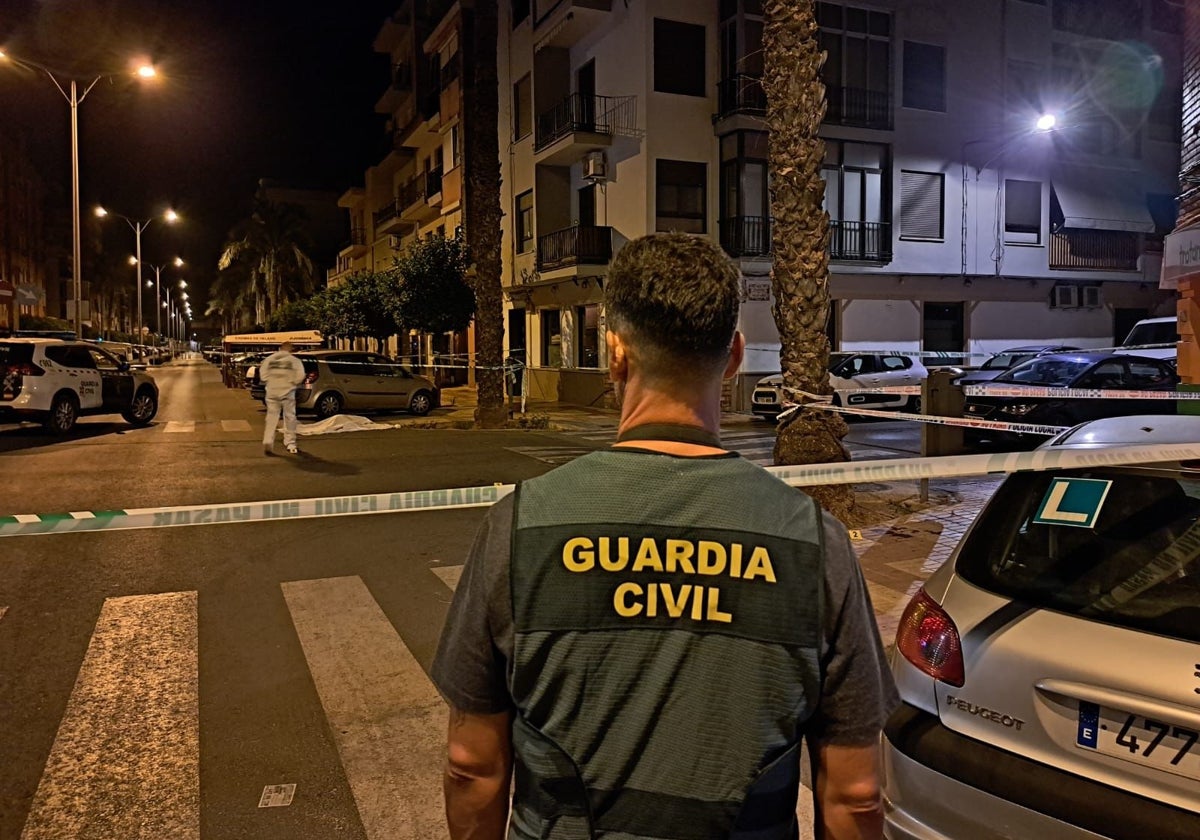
(481, 208)
(800, 237)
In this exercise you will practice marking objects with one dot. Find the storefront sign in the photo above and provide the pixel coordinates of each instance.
(1181, 257)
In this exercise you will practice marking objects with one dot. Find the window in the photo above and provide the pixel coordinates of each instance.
(745, 211)
(455, 156)
(587, 323)
(520, 11)
(858, 200)
(896, 363)
(551, 338)
(524, 232)
(522, 108)
(102, 360)
(1112, 20)
(1022, 211)
(1106, 122)
(857, 72)
(679, 58)
(1165, 120)
(921, 205)
(680, 192)
(924, 76)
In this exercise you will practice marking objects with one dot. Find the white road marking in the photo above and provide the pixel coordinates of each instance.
(387, 719)
(177, 426)
(235, 425)
(126, 760)
(450, 575)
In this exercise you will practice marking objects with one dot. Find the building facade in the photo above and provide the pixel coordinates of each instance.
(957, 224)
(23, 255)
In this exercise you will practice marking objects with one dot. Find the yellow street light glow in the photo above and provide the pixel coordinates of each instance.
(132, 259)
(171, 216)
(101, 212)
(183, 284)
(147, 71)
(178, 261)
(3, 56)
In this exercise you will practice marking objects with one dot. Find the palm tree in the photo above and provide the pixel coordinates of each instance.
(231, 297)
(481, 211)
(272, 244)
(800, 238)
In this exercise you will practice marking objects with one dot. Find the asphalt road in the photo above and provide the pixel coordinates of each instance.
(159, 683)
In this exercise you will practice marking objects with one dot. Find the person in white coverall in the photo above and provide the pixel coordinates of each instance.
(281, 373)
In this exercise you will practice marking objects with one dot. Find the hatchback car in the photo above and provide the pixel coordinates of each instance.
(1049, 670)
(1096, 370)
(338, 380)
(55, 382)
(1005, 359)
(850, 371)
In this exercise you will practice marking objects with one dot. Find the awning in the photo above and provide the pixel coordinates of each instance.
(1102, 199)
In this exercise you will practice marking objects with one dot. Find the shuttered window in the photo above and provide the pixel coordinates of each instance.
(921, 201)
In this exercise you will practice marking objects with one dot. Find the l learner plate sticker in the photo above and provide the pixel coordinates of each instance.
(1073, 501)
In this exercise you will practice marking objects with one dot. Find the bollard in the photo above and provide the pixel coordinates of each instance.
(939, 396)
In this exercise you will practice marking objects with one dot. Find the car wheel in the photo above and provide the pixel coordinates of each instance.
(421, 403)
(913, 405)
(143, 408)
(64, 411)
(328, 404)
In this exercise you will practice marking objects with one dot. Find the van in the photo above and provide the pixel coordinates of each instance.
(1162, 331)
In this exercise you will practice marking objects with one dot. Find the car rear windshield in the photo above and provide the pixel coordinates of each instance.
(1159, 332)
(1055, 371)
(1137, 566)
(15, 354)
(1003, 361)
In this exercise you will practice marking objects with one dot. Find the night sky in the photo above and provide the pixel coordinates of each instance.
(249, 89)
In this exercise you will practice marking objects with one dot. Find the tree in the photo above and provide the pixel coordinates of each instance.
(800, 237)
(433, 295)
(482, 212)
(361, 306)
(293, 315)
(272, 245)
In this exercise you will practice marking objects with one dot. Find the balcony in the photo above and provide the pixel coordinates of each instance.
(746, 236)
(356, 244)
(433, 186)
(860, 241)
(1094, 250)
(858, 107)
(452, 189)
(415, 207)
(576, 245)
(400, 88)
(567, 21)
(387, 218)
(741, 94)
(581, 124)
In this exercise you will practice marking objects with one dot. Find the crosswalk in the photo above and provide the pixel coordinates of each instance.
(176, 427)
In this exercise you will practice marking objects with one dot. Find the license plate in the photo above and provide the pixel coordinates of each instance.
(1139, 739)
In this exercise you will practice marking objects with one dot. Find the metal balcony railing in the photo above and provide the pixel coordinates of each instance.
(412, 192)
(358, 236)
(596, 114)
(1095, 250)
(859, 107)
(746, 236)
(433, 183)
(576, 245)
(863, 241)
(741, 94)
(387, 212)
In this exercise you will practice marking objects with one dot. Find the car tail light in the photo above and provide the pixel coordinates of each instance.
(310, 378)
(929, 640)
(25, 369)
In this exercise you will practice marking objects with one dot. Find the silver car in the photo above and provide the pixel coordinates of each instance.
(1050, 670)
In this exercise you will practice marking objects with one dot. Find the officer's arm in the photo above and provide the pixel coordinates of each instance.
(478, 767)
(847, 794)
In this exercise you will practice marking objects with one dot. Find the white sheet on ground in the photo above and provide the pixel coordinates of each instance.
(340, 423)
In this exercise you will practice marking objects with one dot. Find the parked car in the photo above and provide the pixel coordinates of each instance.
(338, 380)
(1047, 670)
(1103, 370)
(55, 382)
(849, 371)
(1154, 331)
(1005, 359)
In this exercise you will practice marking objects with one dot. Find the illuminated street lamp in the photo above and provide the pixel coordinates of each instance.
(178, 263)
(138, 226)
(74, 98)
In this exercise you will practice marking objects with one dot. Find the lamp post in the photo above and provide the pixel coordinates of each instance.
(74, 98)
(138, 226)
(178, 263)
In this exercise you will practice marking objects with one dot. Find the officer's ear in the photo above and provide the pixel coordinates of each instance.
(618, 357)
(737, 351)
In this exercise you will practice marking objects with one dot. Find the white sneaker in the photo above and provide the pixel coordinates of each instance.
(293, 449)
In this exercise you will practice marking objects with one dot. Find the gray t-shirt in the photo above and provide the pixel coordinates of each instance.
(474, 655)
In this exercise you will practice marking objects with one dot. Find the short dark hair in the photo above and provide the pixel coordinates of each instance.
(676, 296)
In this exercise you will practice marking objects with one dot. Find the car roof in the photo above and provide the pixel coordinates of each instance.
(1035, 348)
(1163, 320)
(1129, 430)
(24, 339)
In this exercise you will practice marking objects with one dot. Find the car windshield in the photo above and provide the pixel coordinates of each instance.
(1159, 332)
(15, 354)
(1003, 361)
(1137, 566)
(1054, 371)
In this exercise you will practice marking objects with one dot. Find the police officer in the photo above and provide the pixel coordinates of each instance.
(642, 638)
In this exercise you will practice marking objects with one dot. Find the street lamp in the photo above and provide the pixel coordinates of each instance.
(74, 98)
(138, 226)
(178, 263)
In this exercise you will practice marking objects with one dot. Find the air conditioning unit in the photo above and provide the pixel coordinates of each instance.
(1089, 297)
(1064, 297)
(595, 166)
(394, 242)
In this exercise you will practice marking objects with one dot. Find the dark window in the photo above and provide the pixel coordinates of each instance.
(921, 205)
(524, 232)
(587, 326)
(1165, 120)
(1022, 211)
(551, 337)
(522, 108)
(924, 76)
(102, 360)
(679, 58)
(680, 191)
(1108, 120)
(857, 70)
(520, 11)
(858, 200)
(1113, 20)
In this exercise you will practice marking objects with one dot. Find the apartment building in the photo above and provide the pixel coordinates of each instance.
(959, 222)
(416, 188)
(23, 257)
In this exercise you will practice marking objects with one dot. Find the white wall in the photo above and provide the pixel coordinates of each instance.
(870, 324)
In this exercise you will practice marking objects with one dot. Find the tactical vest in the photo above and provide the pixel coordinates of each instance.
(667, 618)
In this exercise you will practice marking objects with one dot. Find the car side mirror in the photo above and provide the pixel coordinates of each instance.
(122, 366)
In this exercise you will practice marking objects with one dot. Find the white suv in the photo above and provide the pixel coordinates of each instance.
(56, 382)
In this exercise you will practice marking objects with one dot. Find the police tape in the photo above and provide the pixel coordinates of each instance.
(1034, 391)
(939, 420)
(291, 510)
(958, 354)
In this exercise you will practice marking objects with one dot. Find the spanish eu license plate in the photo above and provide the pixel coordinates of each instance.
(1140, 739)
